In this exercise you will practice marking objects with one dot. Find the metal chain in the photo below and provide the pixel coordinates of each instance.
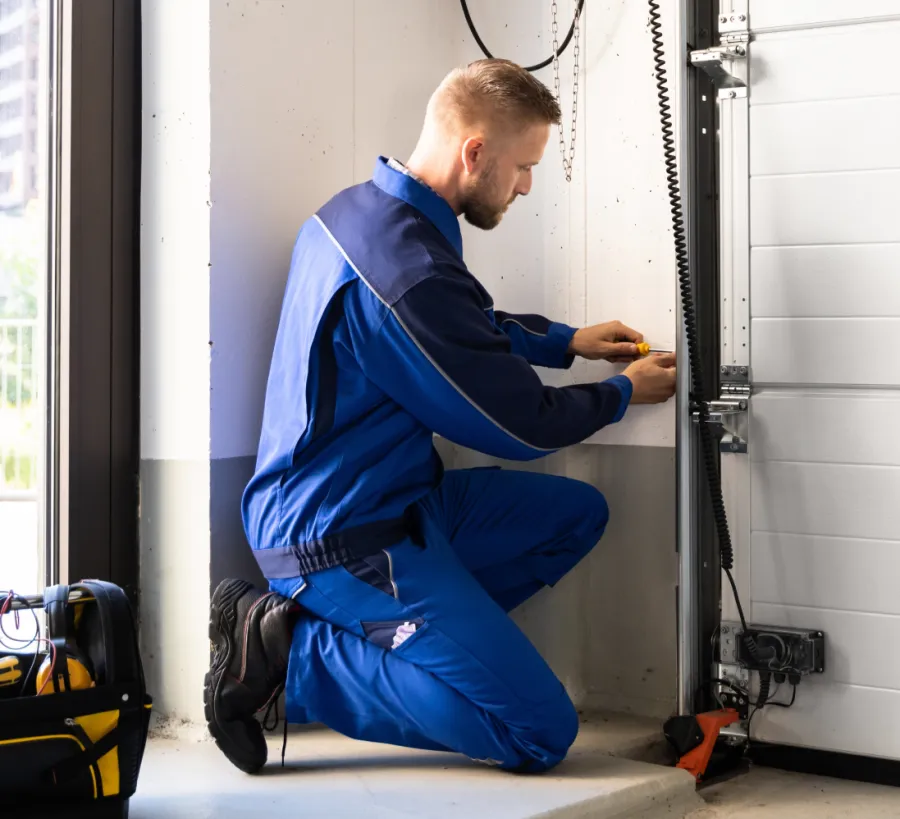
(568, 156)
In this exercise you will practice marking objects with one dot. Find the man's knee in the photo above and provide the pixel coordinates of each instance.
(552, 732)
(590, 512)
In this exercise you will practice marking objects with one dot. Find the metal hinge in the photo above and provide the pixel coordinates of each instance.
(718, 61)
(731, 410)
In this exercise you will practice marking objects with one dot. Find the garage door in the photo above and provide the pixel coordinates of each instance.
(810, 164)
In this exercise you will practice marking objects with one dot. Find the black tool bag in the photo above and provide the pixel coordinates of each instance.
(76, 752)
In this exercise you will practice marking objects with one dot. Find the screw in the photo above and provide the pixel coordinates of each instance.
(724, 369)
(742, 17)
(739, 50)
(741, 701)
(726, 630)
(732, 94)
(734, 447)
(743, 371)
(743, 405)
(124, 697)
(733, 18)
(723, 19)
(70, 722)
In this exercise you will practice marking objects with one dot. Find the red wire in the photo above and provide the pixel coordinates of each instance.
(52, 667)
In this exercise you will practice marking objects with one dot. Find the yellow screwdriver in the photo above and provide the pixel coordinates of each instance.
(646, 349)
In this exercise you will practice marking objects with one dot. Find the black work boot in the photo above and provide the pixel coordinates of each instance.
(251, 636)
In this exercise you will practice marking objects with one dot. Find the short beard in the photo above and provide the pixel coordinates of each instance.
(478, 207)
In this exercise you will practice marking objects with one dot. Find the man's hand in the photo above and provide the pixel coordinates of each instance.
(653, 379)
(612, 341)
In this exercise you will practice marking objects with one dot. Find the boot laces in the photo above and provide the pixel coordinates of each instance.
(270, 707)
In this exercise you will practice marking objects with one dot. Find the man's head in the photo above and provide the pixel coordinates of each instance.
(485, 128)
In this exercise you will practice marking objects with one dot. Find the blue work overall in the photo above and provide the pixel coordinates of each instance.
(407, 572)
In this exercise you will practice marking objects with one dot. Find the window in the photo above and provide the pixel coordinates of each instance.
(68, 287)
(10, 75)
(12, 110)
(10, 145)
(11, 39)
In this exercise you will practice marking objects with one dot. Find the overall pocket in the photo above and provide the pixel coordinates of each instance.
(392, 635)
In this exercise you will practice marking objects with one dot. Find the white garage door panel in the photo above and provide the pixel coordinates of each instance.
(839, 208)
(826, 64)
(776, 13)
(838, 135)
(835, 427)
(852, 719)
(826, 499)
(842, 280)
(824, 572)
(857, 641)
(860, 352)
(816, 502)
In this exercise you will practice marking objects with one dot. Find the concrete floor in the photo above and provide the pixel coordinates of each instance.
(764, 792)
(327, 775)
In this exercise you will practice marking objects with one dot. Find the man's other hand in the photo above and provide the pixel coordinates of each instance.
(611, 341)
(653, 379)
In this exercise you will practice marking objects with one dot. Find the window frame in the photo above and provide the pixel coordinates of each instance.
(91, 491)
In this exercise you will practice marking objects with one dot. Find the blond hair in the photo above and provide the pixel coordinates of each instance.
(493, 93)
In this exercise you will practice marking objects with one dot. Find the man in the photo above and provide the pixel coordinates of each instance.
(390, 579)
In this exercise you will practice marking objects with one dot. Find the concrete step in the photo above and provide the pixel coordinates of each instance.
(327, 775)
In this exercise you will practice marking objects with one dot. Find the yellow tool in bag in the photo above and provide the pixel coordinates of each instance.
(73, 723)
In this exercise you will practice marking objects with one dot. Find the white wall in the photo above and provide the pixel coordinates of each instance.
(175, 374)
(598, 248)
(175, 225)
(266, 108)
(291, 127)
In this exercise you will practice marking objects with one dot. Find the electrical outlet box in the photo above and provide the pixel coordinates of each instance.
(792, 652)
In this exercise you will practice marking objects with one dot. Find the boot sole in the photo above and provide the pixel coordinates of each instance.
(223, 616)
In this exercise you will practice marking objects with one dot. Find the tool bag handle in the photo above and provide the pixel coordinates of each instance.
(55, 600)
(119, 629)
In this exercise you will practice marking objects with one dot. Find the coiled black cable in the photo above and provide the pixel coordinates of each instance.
(697, 402)
(536, 66)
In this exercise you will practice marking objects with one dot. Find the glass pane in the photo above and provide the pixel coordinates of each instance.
(25, 139)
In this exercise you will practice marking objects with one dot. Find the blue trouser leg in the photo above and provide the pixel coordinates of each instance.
(517, 531)
(414, 646)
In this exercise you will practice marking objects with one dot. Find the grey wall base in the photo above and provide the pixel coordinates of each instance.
(607, 630)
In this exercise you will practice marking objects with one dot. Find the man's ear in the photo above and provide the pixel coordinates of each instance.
(472, 154)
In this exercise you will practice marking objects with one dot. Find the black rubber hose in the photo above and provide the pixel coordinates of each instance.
(697, 402)
(536, 67)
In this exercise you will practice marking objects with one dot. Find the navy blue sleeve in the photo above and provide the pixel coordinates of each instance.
(539, 341)
(438, 355)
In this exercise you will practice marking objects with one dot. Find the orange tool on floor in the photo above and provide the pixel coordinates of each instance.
(697, 759)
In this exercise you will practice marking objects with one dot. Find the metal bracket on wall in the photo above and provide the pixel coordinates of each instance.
(716, 62)
(731, 410)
